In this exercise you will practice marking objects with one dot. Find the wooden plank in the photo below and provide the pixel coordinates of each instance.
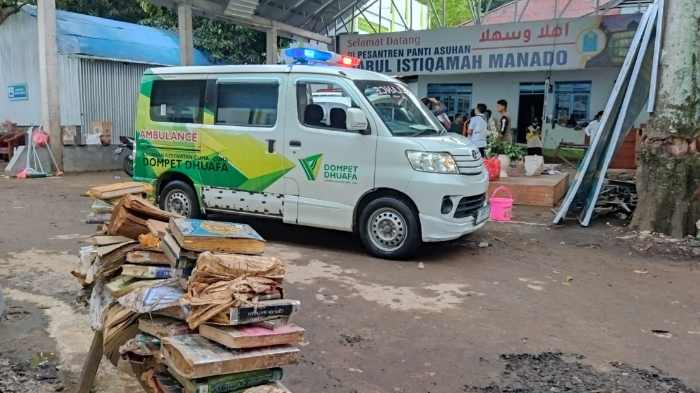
(92, 363)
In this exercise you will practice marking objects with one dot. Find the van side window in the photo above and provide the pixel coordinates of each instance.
(178, 101)
(246, 104)
(323, 105)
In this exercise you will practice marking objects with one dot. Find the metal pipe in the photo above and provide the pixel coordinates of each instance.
(368, 22)
(525, 8)
(398, 12)
(380, 16)
(410, 22)
(488, 9)
(318, 11)
(561, 15)
(289, 12)
(436, 14)
(444, 13)
(515, 14)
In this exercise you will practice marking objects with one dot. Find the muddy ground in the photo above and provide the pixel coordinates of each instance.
(539, 310)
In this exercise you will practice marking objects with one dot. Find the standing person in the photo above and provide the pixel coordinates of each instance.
(491, 123)
(594, 125)
(534, 142)
(477, 128)
(504, 123)
(458, 124)
(445, 120)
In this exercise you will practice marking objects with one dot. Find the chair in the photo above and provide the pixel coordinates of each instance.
(313, 114)
(338, 118)
(9, 142)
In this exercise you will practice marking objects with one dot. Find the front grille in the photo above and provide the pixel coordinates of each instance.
(469, 166)
(468, 206)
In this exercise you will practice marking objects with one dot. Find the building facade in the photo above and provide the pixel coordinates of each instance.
(560, 71)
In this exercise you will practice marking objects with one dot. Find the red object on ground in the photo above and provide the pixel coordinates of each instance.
(493, 166)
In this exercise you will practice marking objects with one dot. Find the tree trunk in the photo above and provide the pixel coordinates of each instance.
(668, 176)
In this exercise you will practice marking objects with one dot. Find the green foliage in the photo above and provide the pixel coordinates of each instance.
(459, 12)
(226, 43)
(122, 10)
(496, 146)
(10, 7)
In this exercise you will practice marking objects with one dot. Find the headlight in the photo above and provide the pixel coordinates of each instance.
(432, 162)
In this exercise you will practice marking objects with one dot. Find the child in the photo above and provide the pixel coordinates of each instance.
(534, 144)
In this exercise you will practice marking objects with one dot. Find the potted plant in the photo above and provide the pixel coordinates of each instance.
(505, 151)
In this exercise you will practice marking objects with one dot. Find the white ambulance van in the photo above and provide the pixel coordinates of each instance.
(315, 143)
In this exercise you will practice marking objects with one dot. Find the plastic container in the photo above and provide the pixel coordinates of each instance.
(501, 208)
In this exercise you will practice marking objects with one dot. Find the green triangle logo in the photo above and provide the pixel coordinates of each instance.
(311, 165)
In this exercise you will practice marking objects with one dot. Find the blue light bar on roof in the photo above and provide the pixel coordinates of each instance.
(307, 54)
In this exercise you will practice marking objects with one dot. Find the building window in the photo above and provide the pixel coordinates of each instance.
(572, 102)
(247, 104)
(532, 88)
(178, 101)
(456, 97)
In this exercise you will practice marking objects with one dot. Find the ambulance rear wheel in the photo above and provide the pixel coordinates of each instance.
(389, 228)
(179, 197)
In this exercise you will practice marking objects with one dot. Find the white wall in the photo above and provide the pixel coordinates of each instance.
(488, 88)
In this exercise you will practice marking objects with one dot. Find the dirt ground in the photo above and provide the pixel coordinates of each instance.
(538, 310)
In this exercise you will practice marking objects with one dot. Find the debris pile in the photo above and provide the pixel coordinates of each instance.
(618, 198)
(189, 305)
(107, 197)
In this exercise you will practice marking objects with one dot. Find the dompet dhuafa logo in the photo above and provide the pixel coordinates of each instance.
(311, 165)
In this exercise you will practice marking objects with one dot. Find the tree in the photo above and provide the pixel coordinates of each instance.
(225, 42)
(668, 177)
(459, 12)
(11, 7)
(122, 10)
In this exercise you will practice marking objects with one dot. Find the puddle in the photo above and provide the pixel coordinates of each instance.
(41, 358)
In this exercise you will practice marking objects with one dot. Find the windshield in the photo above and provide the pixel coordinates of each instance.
(400, 110)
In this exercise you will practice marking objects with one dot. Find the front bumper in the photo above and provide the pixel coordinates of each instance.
(439, 230)
(428, 190)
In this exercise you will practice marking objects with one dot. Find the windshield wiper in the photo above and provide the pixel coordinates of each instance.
(430, 130)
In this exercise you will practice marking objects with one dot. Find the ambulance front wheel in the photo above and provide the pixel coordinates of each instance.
(389, 228)
(179, 197)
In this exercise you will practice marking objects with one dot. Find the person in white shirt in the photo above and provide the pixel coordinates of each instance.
(477, 129)
(593, 126)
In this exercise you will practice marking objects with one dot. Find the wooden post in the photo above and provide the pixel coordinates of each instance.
(92, 363)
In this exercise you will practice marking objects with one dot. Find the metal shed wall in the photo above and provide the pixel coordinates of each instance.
(19, 63)
(109, 91)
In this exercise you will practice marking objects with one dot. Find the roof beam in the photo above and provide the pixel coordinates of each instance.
(290, 11)
(317, 12)
(344, 11)
(216, 11)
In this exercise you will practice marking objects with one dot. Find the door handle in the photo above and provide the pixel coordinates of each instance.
(270, 145)
(295, 143)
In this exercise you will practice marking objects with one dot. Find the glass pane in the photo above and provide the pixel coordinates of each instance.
(247, 105)
(178, 101)
(325, 105)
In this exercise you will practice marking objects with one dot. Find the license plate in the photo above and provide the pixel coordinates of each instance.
(483, 213)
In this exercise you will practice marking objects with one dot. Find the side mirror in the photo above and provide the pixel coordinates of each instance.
(356, 120)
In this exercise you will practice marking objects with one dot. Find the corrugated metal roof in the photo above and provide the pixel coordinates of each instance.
(85, 35)
(543, 10)
(312, 15)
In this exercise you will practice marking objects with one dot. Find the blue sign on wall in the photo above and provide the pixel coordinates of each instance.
(17, 92)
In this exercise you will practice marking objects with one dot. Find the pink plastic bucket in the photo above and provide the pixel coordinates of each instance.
(501, 208)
